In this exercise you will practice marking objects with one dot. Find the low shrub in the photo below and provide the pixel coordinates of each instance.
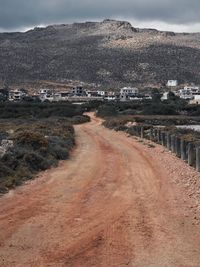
(121, 128)
(59, 152)
(113, 123)
(34, 140)
(5, 170)
(159, 108)
(92, 105)
(107, 110)
(35, 162)
(80, 119)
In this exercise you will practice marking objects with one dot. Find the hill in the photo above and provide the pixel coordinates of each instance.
(108, 52)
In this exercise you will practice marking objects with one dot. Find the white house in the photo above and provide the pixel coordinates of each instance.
(189, 92)
(101, 93)
(192, 89)
(45, 94)
(165, 96)
(15, 95)
(127, 92)
(195, 100)
(172, 83)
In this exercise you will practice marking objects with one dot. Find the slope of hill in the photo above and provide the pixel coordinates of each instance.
(109, 52)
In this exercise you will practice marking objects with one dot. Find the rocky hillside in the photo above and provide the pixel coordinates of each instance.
(108, 52)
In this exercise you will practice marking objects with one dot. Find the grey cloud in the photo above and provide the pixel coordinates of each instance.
(16, 14)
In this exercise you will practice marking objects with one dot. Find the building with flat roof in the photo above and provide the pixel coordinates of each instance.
(128, 92)
(172, 83)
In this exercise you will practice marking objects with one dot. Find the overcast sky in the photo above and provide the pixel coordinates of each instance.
(175, 15)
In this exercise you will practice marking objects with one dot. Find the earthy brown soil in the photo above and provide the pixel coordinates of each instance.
(112, 204)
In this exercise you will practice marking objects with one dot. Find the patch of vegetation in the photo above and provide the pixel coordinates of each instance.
(192, 110)
(173, 106)
(37, 146)
(80, 119)
(39, 110)
(92, 105)
(42, 134)
(165, 120)
(116, 122)
(107, 110)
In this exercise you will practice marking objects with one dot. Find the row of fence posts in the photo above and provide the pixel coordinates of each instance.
(185, 150)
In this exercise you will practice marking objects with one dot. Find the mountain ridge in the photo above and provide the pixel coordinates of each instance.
(109, 52)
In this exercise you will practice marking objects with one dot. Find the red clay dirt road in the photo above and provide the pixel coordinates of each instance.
(109, 205)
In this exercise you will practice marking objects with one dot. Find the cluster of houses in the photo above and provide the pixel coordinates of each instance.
(191, 93)
(78, 93)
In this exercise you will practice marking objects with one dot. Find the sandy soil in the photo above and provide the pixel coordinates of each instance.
(116, 202)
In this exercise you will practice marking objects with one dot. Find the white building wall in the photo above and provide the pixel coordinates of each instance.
(129, 90)
(172, 83)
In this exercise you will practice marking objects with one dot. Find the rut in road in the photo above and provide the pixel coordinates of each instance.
(109, 205)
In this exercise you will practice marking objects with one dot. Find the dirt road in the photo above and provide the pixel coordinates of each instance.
(109, 205)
